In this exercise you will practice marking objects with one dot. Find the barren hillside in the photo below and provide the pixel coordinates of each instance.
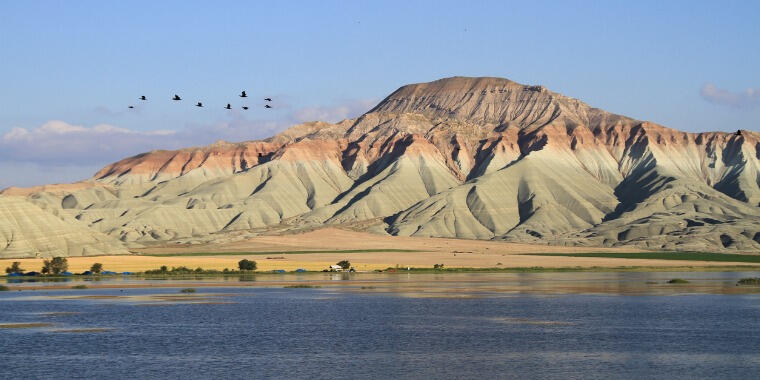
(478, 158)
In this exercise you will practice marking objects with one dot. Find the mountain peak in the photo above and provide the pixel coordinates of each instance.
(461, 83)
(487, 100)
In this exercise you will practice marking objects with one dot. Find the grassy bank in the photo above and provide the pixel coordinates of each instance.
(688, 256)
(717, 268)
(201, 274)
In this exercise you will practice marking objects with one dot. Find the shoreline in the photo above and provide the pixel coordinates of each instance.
(339, 279)
(410, 270)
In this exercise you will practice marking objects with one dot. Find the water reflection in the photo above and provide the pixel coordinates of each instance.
(436, 284)
(418, 326)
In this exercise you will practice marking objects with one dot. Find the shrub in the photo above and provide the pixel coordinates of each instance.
(299, 286)
(187, 290)
(14, 268)
(345, 264)
(79, 287)
(437, 266)
(180, 270)
(55, 266)
(4, 288)
(749, 281)
(678, 281)
(246, 264)
(96, 268)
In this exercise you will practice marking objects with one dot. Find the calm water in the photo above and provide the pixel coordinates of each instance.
(347, 332)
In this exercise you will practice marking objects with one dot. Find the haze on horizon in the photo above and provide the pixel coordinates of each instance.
(71, 69)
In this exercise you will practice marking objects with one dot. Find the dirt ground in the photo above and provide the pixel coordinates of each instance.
(450, 252)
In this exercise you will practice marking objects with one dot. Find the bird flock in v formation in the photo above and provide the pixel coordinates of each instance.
(177, 98)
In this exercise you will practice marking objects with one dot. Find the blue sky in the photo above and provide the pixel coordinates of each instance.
(69, 69)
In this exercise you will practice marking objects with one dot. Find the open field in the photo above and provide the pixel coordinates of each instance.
(698, 256)
(270, 253)
(316, 250)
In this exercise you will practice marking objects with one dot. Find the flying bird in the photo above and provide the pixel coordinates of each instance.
(143, 98)
(267, 106)
(245, 108)
(199, 104)
(176, 97)
(243, 95)
(131, 107)
(228, 106)
(268, 99)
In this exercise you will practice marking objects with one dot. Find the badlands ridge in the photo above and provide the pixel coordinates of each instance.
(474, 158)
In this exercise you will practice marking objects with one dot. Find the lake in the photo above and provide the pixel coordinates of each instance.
(489, 325)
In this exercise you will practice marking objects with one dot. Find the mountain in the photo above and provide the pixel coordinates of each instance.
(27, 230)
(476, 158)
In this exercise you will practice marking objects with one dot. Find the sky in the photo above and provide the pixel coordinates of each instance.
(69, 69)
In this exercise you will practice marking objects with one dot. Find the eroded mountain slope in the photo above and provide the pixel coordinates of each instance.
(482, 158)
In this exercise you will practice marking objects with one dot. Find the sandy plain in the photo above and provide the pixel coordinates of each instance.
(271, 252)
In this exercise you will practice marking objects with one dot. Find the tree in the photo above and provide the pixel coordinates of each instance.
(345, 264)
(96, 268)
(55, 266)
(246, 264)
(14, 268)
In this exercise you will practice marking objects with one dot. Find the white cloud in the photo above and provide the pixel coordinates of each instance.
(63, 143)
(71, 150)
(59, 152)
(334, 113)
(746, 99)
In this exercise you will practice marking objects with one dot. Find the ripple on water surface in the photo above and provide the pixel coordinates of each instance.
(307, 333)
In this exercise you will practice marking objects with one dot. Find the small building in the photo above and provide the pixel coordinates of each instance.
(336, 268)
